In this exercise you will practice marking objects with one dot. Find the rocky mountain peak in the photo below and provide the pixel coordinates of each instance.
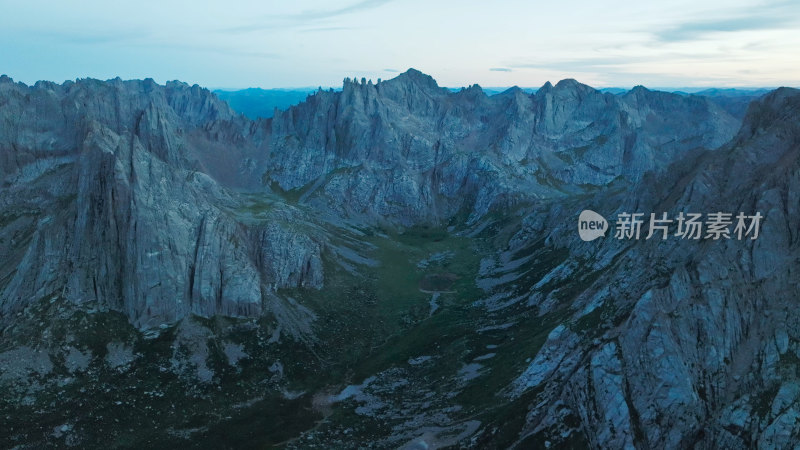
(569, 83)
(566, 88)
(417, 79)
(474, 92)
(638, 91)
(513, 90)
(779, 105)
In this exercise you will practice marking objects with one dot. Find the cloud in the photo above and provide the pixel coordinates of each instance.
(391, 70)
(657, 69)
(606, 64)
(589, 64)
(224, 50)
(328, 13)
(89, 37)
(694, 30)
(325, 29)
(304, 17)
(768, 16)
(500, 69)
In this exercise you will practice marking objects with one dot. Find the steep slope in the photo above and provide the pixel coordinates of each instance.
(109, 195)
(734, 101)
(396, 259)
(691, 343)
(408, 151)
(614, 343)
(128, 160)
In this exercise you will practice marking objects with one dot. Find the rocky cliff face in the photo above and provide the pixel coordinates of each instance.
(408, 151)
(692, 342)
(400, 254)
(145, 172)
(111, 195)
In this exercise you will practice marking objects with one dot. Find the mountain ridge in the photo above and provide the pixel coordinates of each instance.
(154, 241)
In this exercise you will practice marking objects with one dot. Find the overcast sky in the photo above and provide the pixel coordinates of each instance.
(236, 43)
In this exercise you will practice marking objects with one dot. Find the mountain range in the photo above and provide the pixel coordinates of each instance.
(394, 264)
(258, 103)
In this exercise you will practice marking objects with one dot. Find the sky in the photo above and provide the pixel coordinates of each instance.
(269, 44)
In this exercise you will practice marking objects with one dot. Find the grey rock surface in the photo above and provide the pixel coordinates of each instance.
(704, 332)
(240, 248)
(114, 191)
